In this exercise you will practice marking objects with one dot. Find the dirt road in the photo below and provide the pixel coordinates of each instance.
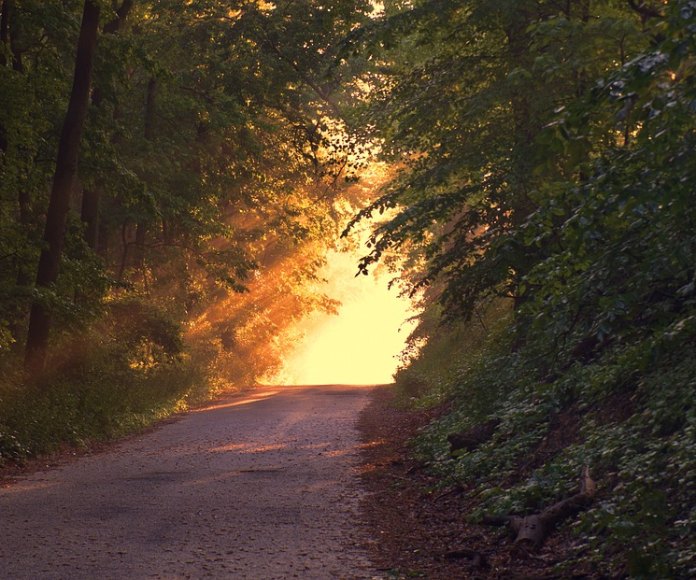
(261, 487)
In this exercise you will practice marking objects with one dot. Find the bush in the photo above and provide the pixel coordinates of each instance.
(630, 415)
(123, 374)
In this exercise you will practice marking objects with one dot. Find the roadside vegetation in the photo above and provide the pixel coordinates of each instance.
(628, 416)
(159, 238)
(550, 208)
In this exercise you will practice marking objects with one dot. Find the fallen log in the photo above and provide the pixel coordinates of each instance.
(531, 531)
(472, 438)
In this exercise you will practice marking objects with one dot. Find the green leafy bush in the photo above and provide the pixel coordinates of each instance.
(127, 371)
(634, 425)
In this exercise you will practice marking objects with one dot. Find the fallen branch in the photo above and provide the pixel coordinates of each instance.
(531, 531)
(645, 10)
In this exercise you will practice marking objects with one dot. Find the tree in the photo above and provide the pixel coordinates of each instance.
(208, 132)
(63, 181)
(463, 94)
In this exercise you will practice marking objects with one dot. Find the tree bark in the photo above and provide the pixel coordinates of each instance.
(139, 248)
(11, 54)
(150, 103)
(63, 179)
(103, 241)
(5, 30)
(114, 25)
(5, 40)
(89, 214)
(149, 134)
(531, 531)
(124, 251)
(91, 197)
(17, 64)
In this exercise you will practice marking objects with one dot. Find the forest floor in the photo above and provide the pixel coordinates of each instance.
(422, 529)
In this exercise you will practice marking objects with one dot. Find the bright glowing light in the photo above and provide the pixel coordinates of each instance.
(377, 8)
(358, 346)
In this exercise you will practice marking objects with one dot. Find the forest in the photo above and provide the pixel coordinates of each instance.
(172, 175)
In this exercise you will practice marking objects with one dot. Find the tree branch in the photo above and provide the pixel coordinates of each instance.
(644, 10)
(114, 25)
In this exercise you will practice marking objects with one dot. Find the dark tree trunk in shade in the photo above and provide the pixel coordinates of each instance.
(124, 251)
(9, 26)
(11, 54)
(139, 253)
(91, 196)
(141, 227)
(150, 104)
(103, 239)
(23, 279)
(5, 40)
(63, 179)
(89, 213)
(5, 29)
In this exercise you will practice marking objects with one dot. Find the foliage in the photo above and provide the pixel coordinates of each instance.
(555, 168)
(212, 133)
(476, 161)
(632, 423)
(102, 386)
(543, 162)
(438, 355)
(212, 176)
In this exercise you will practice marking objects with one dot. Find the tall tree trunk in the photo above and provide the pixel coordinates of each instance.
(63, 179)
(141, 227)
(23, 279)
(91, 196)
(103, 241)
(150, 104)
(89, 213)
(11, 54)
(5, 30)
(4, 50)
(124, 251)
(525, 127)
(12, 37)
(139, 251)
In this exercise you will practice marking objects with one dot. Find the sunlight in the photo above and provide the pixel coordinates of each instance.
(377, 8)
(255, 398)
(360, 345)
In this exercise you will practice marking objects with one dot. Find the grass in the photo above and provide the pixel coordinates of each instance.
(101, 387)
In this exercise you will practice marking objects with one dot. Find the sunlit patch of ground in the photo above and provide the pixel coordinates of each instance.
(238, 402)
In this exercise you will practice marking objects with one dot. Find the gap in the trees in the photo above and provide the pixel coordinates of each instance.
(361, 343)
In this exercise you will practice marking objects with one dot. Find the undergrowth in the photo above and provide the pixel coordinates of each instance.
(120, 376)
(629, 414)
(437, 356)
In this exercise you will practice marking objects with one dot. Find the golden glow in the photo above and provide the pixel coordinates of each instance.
(255, 398)
(247, 448)
(377, 8)
(360, 345)
(26, 486)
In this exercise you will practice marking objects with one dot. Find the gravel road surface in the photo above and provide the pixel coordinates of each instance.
(258, 487)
